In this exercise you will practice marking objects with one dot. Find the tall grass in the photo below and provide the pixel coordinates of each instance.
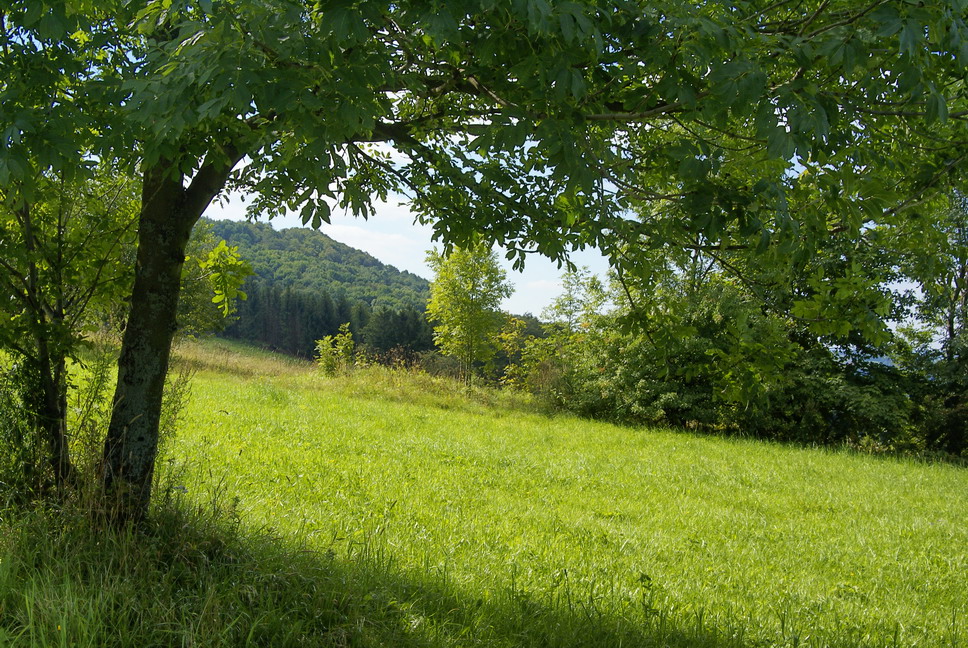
(558, 530)
(384, 508)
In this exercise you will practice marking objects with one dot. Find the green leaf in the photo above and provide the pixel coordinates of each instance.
(692, 168)
(936, 108)
(779, 144)
(538, 12)
(443, 24)
(889, 19)
(910, 39)
(567, 24)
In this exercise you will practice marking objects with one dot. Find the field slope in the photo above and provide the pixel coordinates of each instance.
(459, 520)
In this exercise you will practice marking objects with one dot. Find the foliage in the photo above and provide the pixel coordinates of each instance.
(66, 212)
(714, 120)
(226, 273)
(701, 350)
(464, 304)
(63, 262)
(707, 335)
(212, 271)
(402, 332)
(90, 406)
(291, 320)
(511, 341)
(934, 254)
(305, 285)
(23, 471)
(678, 358)
(64, 257)
(68, 262)
(934, 353)
(580, 303)
(673, 103)
(336, 354)
(543, 356)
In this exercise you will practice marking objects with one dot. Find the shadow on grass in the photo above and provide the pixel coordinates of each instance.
(196, 579)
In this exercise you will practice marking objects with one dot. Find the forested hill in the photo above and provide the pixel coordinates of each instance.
(308, 260)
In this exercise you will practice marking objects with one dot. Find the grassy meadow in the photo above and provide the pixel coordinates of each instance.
(383, 508)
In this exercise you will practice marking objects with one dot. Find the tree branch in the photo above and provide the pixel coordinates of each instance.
(664, 109)
(212, 176)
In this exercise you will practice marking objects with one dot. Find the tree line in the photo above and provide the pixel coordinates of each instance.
(711, 341)
(286, 319)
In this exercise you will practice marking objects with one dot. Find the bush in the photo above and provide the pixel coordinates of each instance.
(23, 471)
(335, 354)
(714, 359)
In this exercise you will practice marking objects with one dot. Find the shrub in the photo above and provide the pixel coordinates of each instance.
(335, 353)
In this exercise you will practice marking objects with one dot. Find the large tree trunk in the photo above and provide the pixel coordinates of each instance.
(168, 212)
(164, 227)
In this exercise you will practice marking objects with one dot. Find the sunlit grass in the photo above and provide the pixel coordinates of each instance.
(559, 531)
(383, 508)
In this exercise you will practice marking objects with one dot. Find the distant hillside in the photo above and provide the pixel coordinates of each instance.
(308, 260)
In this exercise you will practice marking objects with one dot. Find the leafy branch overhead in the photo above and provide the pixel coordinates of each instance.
(553, 119)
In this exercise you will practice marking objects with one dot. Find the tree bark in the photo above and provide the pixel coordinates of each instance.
(168, 212)
(52, 417)
(164, 227)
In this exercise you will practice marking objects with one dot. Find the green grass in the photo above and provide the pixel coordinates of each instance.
(382, 508)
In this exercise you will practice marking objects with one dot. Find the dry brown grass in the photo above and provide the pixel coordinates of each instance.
(224, 356)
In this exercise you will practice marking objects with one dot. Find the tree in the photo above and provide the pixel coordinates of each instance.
(61, 261)
(394, 335)
(61, 234)
(937, 259)
(581, 299)
(65, 263)
(464, 304)
(934, 351)
(531, 123)
(335, 354)
(311, 261)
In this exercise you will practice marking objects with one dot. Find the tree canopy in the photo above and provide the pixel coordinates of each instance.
(550, 119)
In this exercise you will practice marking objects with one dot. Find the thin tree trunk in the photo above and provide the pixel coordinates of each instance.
(52, 419)
(51, 415)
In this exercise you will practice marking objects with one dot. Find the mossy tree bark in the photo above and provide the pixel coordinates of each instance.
(169, 211)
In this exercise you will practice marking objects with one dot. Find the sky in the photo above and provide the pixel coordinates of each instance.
(392, 237)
